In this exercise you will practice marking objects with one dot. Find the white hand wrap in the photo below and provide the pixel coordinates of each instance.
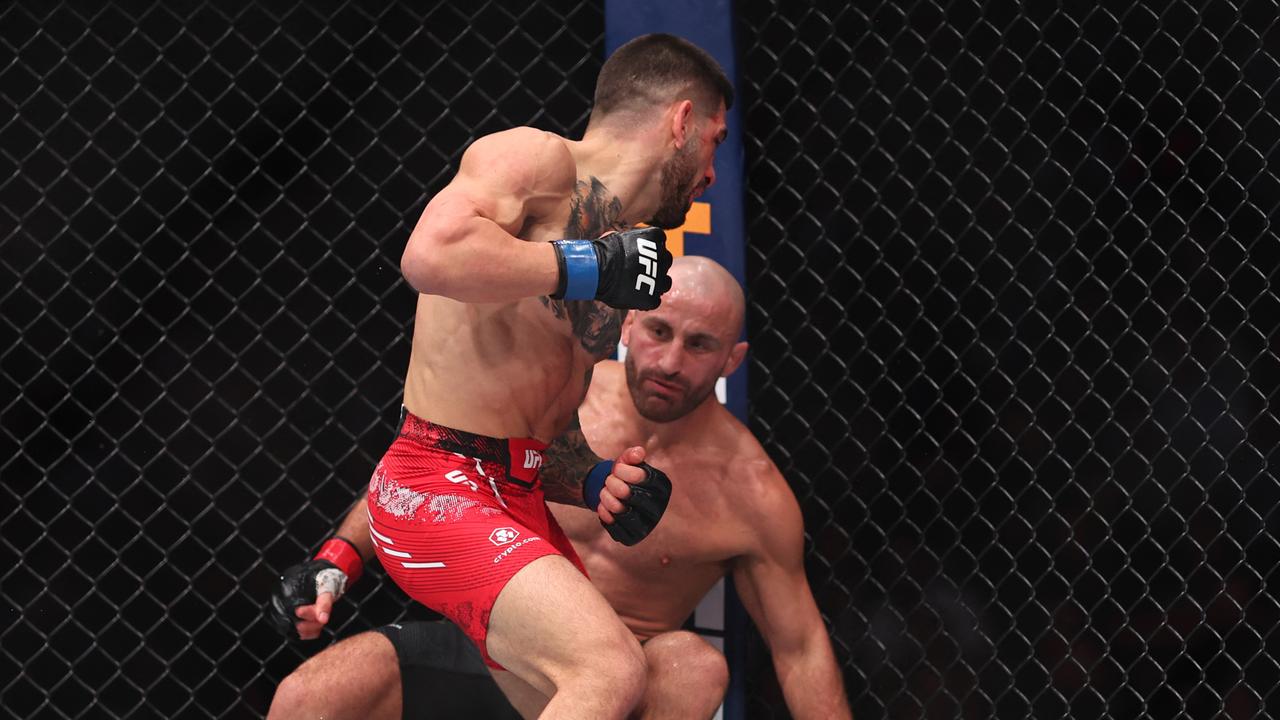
(331, 580)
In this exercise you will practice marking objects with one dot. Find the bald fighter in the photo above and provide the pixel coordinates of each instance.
(730, 512)
(525, 263)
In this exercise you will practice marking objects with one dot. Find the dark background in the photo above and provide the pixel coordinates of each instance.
(1012, 310)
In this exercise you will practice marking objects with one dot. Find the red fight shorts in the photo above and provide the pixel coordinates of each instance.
(455, 515)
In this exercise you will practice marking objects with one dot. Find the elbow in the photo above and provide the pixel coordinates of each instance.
(416, 267)
(424, 266)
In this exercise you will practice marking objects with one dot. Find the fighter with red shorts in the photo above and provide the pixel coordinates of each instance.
(525, 264)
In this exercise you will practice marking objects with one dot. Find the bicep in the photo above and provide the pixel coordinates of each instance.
(778, 599)
(772, 584)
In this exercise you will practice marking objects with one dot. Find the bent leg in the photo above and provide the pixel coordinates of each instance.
(356, 678)
(527, 700)
(687, 677)
(552, 629)
(443, 675)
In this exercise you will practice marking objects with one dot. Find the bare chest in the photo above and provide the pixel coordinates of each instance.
(699, 534)
(656, 584)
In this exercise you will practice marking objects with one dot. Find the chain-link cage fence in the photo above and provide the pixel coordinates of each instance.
(1011, 316)
(1014, 324)
(204, 208)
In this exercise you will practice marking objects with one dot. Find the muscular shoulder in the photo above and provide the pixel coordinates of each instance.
(766, 500)
(524, 161)
(771, 491)
(606, 377)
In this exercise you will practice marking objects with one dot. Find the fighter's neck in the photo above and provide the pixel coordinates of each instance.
(626, 166)
(688, 429)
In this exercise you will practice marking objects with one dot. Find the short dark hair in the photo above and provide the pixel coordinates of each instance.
(657, 69)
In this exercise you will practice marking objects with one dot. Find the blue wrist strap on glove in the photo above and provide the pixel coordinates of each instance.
(594, 483)
(581, 269)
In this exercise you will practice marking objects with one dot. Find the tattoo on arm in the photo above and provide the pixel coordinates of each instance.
(565, 465)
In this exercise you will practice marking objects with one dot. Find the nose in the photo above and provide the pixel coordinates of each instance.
(710, 178)
(669, 359)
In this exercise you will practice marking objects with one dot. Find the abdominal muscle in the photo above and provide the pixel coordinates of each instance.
(509, 370)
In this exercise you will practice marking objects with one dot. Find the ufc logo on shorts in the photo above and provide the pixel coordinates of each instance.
(457, 477)
(532, 459)
(648, 264)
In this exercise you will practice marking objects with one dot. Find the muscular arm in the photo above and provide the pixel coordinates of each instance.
(564, 465)
(355, 529)
(465, 246)
(775, 592)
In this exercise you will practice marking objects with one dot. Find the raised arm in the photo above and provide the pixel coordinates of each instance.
(775, 592)
(464, 245)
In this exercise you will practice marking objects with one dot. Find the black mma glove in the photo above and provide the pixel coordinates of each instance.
(626, 269)
(334, 568)
(642, 510)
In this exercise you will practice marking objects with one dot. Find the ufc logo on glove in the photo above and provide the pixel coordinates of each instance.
(648, 264)
(625, 269)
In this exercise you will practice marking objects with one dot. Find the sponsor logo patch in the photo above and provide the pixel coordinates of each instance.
(532, 459)
(503, 535)
(512, 547)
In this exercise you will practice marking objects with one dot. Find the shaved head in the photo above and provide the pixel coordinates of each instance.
(706, 283)
(677, 352)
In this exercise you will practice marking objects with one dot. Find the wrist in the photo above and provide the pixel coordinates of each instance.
(594, 483)
(343, 554)
(579, 267)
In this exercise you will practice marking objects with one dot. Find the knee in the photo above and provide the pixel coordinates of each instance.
(626, 669)
(709, 666)
(684, 659)
(618, 669)
(291, 696)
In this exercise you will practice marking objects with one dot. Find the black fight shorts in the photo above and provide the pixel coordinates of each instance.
(442, 676)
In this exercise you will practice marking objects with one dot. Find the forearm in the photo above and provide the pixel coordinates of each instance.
(811, 681)
(476, 261)
(565, 464)
(355, 529)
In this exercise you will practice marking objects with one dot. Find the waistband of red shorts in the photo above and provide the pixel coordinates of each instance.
(522, 457)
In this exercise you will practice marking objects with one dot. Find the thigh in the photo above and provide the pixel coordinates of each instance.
(549, 623)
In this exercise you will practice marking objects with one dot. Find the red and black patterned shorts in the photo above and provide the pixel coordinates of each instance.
(455, 515)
